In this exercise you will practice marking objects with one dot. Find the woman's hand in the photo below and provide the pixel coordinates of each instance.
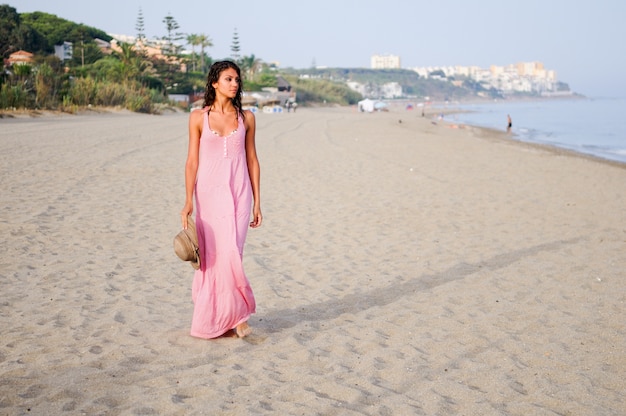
(184, 214)
(257, 218)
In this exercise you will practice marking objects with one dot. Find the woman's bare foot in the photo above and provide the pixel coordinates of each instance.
(243, 329)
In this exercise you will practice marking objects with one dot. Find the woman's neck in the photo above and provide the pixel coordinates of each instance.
(223, 106)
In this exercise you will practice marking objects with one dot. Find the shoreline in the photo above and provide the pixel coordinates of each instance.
(503, 136)
(491, 132)
(555, 134)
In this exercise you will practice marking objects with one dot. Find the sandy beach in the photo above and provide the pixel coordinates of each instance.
(404, 267)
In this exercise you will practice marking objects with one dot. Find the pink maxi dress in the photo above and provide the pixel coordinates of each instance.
(221, 292)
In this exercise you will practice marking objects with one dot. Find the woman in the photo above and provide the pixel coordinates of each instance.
(223, 173)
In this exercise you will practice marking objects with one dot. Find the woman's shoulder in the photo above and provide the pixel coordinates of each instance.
(198, 112)
(248, 119)
(196, 117)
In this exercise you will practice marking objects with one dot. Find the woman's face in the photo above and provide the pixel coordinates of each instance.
(227, 83)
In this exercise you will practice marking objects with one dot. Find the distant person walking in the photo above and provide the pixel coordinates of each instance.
(509, 123)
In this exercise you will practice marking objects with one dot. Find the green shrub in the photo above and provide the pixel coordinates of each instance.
(83, 91)
(139, 101)
(4, 96)
(111, 94)
(46, 87)
(68, 106)
(13, 96)
(156, 96)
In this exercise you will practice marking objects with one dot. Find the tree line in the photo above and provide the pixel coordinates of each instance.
(128, 77)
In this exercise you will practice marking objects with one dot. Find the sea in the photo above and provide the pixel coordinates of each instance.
(593, 126)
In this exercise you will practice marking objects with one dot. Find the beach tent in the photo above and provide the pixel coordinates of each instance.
(366, 105)
(282, 84)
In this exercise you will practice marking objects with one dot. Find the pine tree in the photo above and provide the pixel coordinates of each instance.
(140, 28)
(172, 48)
(235, 48)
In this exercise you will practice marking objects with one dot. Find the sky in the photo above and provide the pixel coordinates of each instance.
(581, 41)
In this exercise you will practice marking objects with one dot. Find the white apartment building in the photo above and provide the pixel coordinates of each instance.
(391, 90)
(521, 77)
(385, 62)
(529, 68)
(388, 90)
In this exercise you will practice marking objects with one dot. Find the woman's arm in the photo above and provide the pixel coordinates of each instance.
(254, 169)
(191, 166)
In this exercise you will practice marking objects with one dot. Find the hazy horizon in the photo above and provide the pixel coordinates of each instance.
(579, 42)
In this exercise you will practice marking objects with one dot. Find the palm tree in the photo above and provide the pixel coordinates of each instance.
(134, 65)
(250, 65)
(193, 40)
(128, 58)
(204, 41)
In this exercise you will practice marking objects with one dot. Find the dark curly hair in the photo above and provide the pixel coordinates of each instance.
(214, 74)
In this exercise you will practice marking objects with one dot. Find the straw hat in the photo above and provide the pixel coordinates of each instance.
(186, 244)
